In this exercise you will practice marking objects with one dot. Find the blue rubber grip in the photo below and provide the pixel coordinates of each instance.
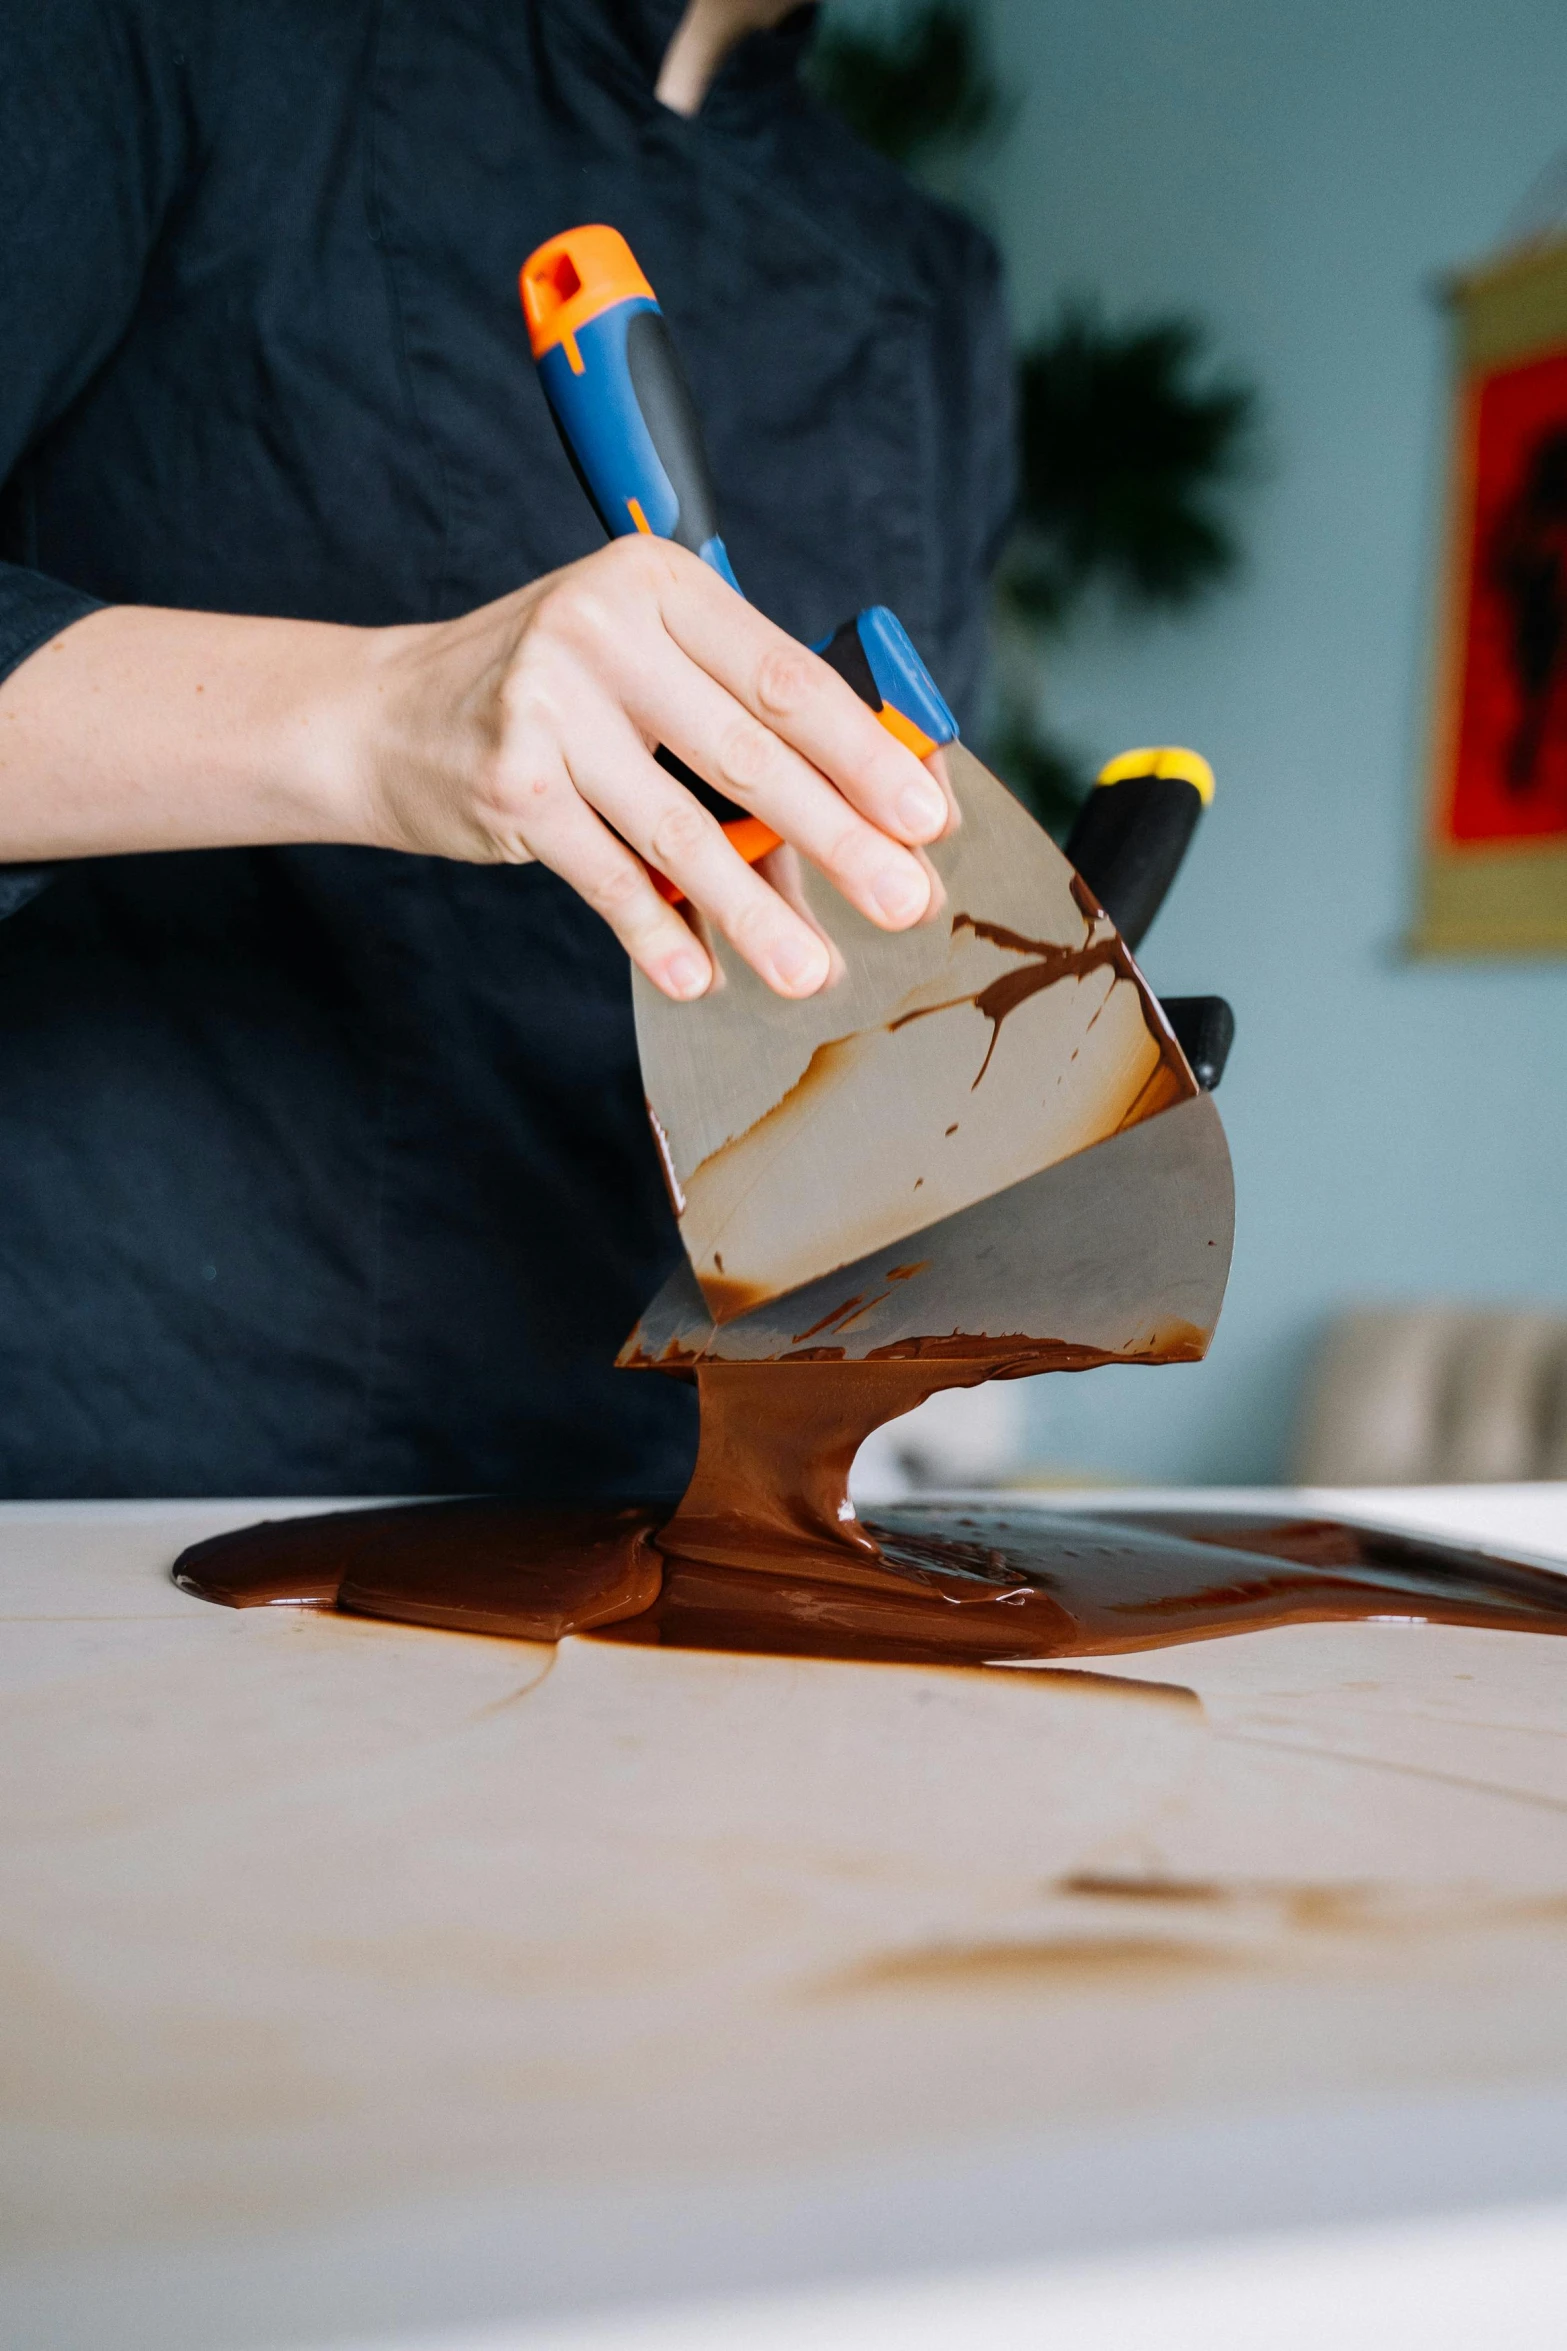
(631, 431)
(902, 680)
(875, 654)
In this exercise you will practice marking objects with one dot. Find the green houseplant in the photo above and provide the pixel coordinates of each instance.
(1127, 440)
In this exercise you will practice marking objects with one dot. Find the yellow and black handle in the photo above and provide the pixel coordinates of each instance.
(1135, 827)
(1128, 842)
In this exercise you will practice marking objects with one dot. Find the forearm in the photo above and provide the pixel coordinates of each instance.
(525, 729)
(140, 729)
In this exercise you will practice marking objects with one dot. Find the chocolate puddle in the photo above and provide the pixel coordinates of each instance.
(479, 1565)
(766, 1554)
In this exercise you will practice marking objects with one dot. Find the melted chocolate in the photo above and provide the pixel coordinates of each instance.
(766, 1554)
(470, 1566)
(771, 1485)
(765, 1551)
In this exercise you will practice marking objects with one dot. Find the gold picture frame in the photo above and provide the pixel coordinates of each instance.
(1494, 865)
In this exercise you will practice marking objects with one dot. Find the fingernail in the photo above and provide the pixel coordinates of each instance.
(900, 894)
(800, 963)
(922, 810)
(686, 975)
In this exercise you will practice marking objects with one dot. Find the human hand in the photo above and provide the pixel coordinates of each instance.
(527, 730)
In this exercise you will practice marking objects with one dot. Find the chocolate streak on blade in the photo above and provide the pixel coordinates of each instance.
(1168, 1082)
(1051, 963)
(1121, 1251)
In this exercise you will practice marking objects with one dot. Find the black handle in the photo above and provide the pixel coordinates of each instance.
(1205, 1030)
(845, 652)
(1134, 829)
(674, 428)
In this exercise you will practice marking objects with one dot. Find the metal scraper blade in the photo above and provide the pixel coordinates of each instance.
(1007, 1033)
(1117, 1255)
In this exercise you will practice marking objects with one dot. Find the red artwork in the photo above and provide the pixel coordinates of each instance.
(1510, 772)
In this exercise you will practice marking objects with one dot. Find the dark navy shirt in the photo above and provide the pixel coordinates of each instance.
(326, 1170)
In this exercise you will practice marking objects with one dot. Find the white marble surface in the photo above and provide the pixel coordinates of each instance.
(362, 1982)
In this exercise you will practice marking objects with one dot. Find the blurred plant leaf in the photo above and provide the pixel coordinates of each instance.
(1050, 779)
(1123, 445)
(910, 83)
(1126, 438)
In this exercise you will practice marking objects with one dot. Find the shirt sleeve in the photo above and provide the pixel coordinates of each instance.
(93, 131)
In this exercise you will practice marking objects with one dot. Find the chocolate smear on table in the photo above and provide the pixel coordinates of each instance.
(766, 1553)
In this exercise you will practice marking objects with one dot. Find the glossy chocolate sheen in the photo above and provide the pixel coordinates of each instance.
(471, 1566)
(766, 1554)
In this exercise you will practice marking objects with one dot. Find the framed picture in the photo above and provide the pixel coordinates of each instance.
(1494, 876)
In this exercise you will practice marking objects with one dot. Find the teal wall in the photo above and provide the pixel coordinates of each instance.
(1299, 175)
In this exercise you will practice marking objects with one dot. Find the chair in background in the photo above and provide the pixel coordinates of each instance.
(974, 1437)
(1436, 1395)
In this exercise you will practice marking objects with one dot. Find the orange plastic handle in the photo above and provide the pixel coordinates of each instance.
(752, 839)
(567, 283)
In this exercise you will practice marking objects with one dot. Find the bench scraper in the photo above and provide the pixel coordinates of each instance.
(983, 1131)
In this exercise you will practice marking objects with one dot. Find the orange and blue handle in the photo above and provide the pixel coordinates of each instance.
(616, 392)
(625, 415)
